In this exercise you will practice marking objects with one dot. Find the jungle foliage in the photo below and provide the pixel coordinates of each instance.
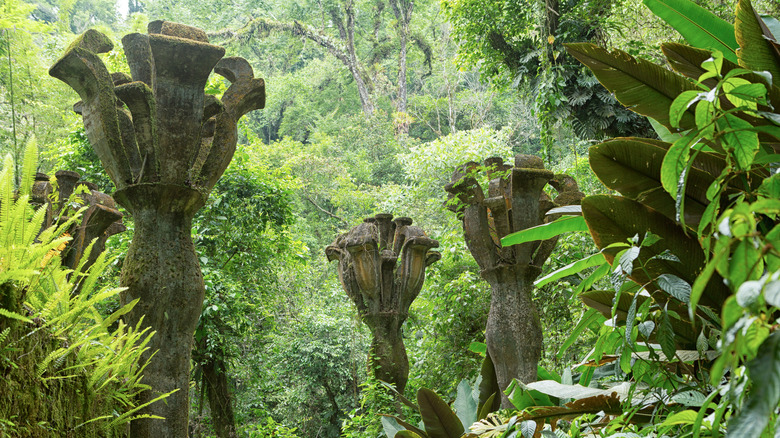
(657, 321)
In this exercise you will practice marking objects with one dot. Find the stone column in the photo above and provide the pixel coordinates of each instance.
(164, 143)
(382, 287)
(515, 201)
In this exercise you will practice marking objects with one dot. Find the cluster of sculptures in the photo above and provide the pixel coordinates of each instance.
(165, 143)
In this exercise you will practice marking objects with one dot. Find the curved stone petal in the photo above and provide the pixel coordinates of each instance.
(140, 101)
(85, 73)
(181, 69)
(139, 57)
(246, 93)
(362, 246)
(127, 130)
(411, 274)
(218, 153)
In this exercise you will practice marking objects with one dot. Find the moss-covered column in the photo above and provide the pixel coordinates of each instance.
(164, 143)
(515, 201)
(382, 288)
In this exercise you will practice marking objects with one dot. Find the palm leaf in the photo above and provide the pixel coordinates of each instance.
(700, 27)
(642, 86)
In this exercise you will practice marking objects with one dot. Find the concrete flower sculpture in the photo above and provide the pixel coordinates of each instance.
(515, 201)
(164, 143)
(381, 287)
(100, 220)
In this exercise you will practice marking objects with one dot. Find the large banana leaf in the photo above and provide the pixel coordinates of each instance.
(700, 27)
(615, 219)
(758, 50)
(439, 420)
(641, 86)
(687, 60)
(632, 166)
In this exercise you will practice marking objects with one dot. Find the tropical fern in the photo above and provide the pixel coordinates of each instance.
(105, 364)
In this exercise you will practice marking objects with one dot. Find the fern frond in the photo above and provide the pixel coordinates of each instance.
(4, 335)
(6, 189)
(99, 266)
(29, 166)
(128, 416)
(20, 217)
(22, 275)
(102, 417)
(48, 360)
(119, 313)
(13, 315)
(36, 222)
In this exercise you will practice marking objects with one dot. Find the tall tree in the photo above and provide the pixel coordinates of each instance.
(347, 42)
(519, 44)
(403, 15)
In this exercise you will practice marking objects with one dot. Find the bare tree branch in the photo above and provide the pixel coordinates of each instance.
(335, 216)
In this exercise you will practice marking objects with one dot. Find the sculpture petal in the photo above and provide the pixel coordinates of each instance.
(85, 73)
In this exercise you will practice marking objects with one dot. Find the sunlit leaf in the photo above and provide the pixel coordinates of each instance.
(465, 406)
(564, 224)
(675, 286)
(700, 27)
(571, 268)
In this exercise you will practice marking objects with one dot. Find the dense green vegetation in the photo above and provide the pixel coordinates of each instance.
(664, 312)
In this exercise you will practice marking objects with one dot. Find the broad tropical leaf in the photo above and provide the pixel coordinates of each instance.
(465, 405)
(408, 434)
(687, 60)
(405, 425)
(439, 420)
(489, 391)
(609, 404)
(700, 27)
(640, 85)
(614, 219)
(390, 426)
(564, 224)
(757, 51)
(632, 166)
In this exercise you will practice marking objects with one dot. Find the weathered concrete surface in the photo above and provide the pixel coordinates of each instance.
(515, 201)
(164, 144)
(381, 287)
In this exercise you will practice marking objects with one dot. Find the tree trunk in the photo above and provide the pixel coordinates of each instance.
(403, 14)
(162, 249)
(220, 401)
(513, 334)
(347, 33)
(388, 353)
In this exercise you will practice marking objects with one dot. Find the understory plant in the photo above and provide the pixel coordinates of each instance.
(67, 369)
(689, 250)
